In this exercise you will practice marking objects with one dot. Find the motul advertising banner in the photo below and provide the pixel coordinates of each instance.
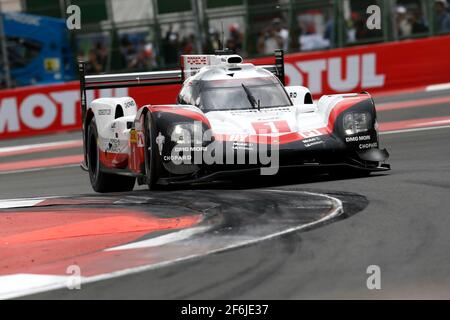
(56, 108)
(375, 68)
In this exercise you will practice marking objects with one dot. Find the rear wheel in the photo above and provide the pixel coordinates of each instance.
(101, 181)
(153, 164)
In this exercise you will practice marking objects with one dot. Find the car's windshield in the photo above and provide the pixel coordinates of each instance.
(239, 93)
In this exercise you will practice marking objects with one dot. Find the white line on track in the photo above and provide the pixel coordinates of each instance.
(23, 203)
(40, 169)
(414, 130)
(43, 283)
(31, 147)
(438, 87)
(14, 285)
(164, 239)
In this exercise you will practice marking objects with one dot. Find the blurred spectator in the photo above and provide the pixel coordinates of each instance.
(146, 58)
(137, 52)
(97, 58)
(314, 35)
(232, 46)
(294, 38)
(236, 39)
(404, 25)
(269, 40)
(128, 52)
(273, 37)
(172, 47)
(282, 32)
(93, 66)
(351, 29)
(329, 30)
(442, 16)
(418, 22)
(314, 41)
(188, 45)
(213, 42)
(361, 30)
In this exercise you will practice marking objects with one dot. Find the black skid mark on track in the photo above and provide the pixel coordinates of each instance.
(234, 219)
(272, 218)
(245, 213)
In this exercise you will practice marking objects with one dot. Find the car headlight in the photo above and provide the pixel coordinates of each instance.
(186, 133)
(356, 122)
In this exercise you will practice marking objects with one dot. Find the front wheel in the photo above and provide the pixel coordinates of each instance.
(153, 165)
(103, 182)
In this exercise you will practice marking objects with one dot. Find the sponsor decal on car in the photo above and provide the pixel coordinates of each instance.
(243, 146)
(368, 145)
(357, 138)
(312, 142)
(133, 136)
(104, 112)
(310, 133)
(140, 139)
(114, 146)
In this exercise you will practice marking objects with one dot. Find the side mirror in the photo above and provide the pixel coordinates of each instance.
(299, 95)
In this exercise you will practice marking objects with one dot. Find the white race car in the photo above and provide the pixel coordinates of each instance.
(230, 118)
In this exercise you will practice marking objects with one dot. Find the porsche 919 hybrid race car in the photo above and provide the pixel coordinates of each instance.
(230, 118)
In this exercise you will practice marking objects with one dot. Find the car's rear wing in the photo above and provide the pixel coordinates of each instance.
(154, 78)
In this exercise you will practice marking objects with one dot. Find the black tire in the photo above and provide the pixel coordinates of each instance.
(153, 163)
(103, 182)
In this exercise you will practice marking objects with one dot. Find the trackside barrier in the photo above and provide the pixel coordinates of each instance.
(375, 68)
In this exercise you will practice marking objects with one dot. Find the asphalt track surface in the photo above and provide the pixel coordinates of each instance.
(399, 221)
